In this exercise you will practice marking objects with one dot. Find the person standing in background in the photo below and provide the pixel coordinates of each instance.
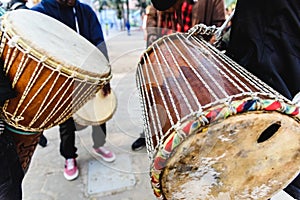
(81, 18)
(127, 24)
(183, 16)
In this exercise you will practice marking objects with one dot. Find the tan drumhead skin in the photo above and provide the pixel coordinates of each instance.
(56, 41)
(97, 110)
(227, 162)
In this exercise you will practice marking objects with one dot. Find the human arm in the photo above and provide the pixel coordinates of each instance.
(218, 14)
(6, 91)
(151, 25)
(96, 37)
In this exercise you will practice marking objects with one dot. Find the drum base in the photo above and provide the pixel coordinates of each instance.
(247, 156)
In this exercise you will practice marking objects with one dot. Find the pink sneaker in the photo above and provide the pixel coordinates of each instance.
(71, 169)
(105, 154)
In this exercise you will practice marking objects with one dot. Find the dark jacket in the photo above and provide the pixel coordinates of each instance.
(91, 31)
(265, 40)
(16, 4)
(6, 91)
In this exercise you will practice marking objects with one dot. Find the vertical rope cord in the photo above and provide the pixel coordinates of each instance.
(159, 129)
(76, 21)
(141, 85)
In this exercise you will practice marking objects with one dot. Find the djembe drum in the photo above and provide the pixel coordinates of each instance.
(53, 69)
(213, 130)
(97, 110)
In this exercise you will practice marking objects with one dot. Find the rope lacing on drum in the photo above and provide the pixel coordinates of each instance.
(12, 42)
(229, 105)
(202, 119)
(58, 68)
(2, 27)
(202, 29)
(74, 74)
(44, 58)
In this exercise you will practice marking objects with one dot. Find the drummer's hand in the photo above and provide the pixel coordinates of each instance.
(106, 89)
(213, 39)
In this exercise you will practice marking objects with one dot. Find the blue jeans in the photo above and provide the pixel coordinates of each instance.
(11, 172)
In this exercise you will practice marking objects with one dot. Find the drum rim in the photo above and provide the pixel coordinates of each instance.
(67, 69)
(83, 122)
(157, 42)
(70, 70)
(163, 153)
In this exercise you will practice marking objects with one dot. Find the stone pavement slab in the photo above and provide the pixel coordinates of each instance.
(114, 181)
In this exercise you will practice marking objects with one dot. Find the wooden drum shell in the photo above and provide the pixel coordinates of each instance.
(50, 94)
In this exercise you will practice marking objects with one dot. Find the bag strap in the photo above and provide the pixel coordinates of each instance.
(16, 5)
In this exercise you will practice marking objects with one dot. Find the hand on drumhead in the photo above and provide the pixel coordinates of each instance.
(106, 89)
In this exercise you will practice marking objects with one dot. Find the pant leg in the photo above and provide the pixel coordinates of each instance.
(293, 188)
(11, 172)
(67, 139)
(99, 135)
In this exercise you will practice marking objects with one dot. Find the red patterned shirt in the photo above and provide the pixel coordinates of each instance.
(186, 17)
(177, 21)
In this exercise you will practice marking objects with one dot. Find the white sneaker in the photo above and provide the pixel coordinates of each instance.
(71, 170)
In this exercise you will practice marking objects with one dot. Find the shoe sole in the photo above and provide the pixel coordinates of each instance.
(71, 178)
(105, 159)
(44, 145)
(139, 148)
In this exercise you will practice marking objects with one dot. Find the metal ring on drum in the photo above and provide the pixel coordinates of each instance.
(213, 129)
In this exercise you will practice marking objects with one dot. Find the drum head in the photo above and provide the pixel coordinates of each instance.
(97, 110)
(52, 41)
(247, 156)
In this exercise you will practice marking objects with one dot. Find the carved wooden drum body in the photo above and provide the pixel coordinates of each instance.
(213, 130)
(53, 69)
